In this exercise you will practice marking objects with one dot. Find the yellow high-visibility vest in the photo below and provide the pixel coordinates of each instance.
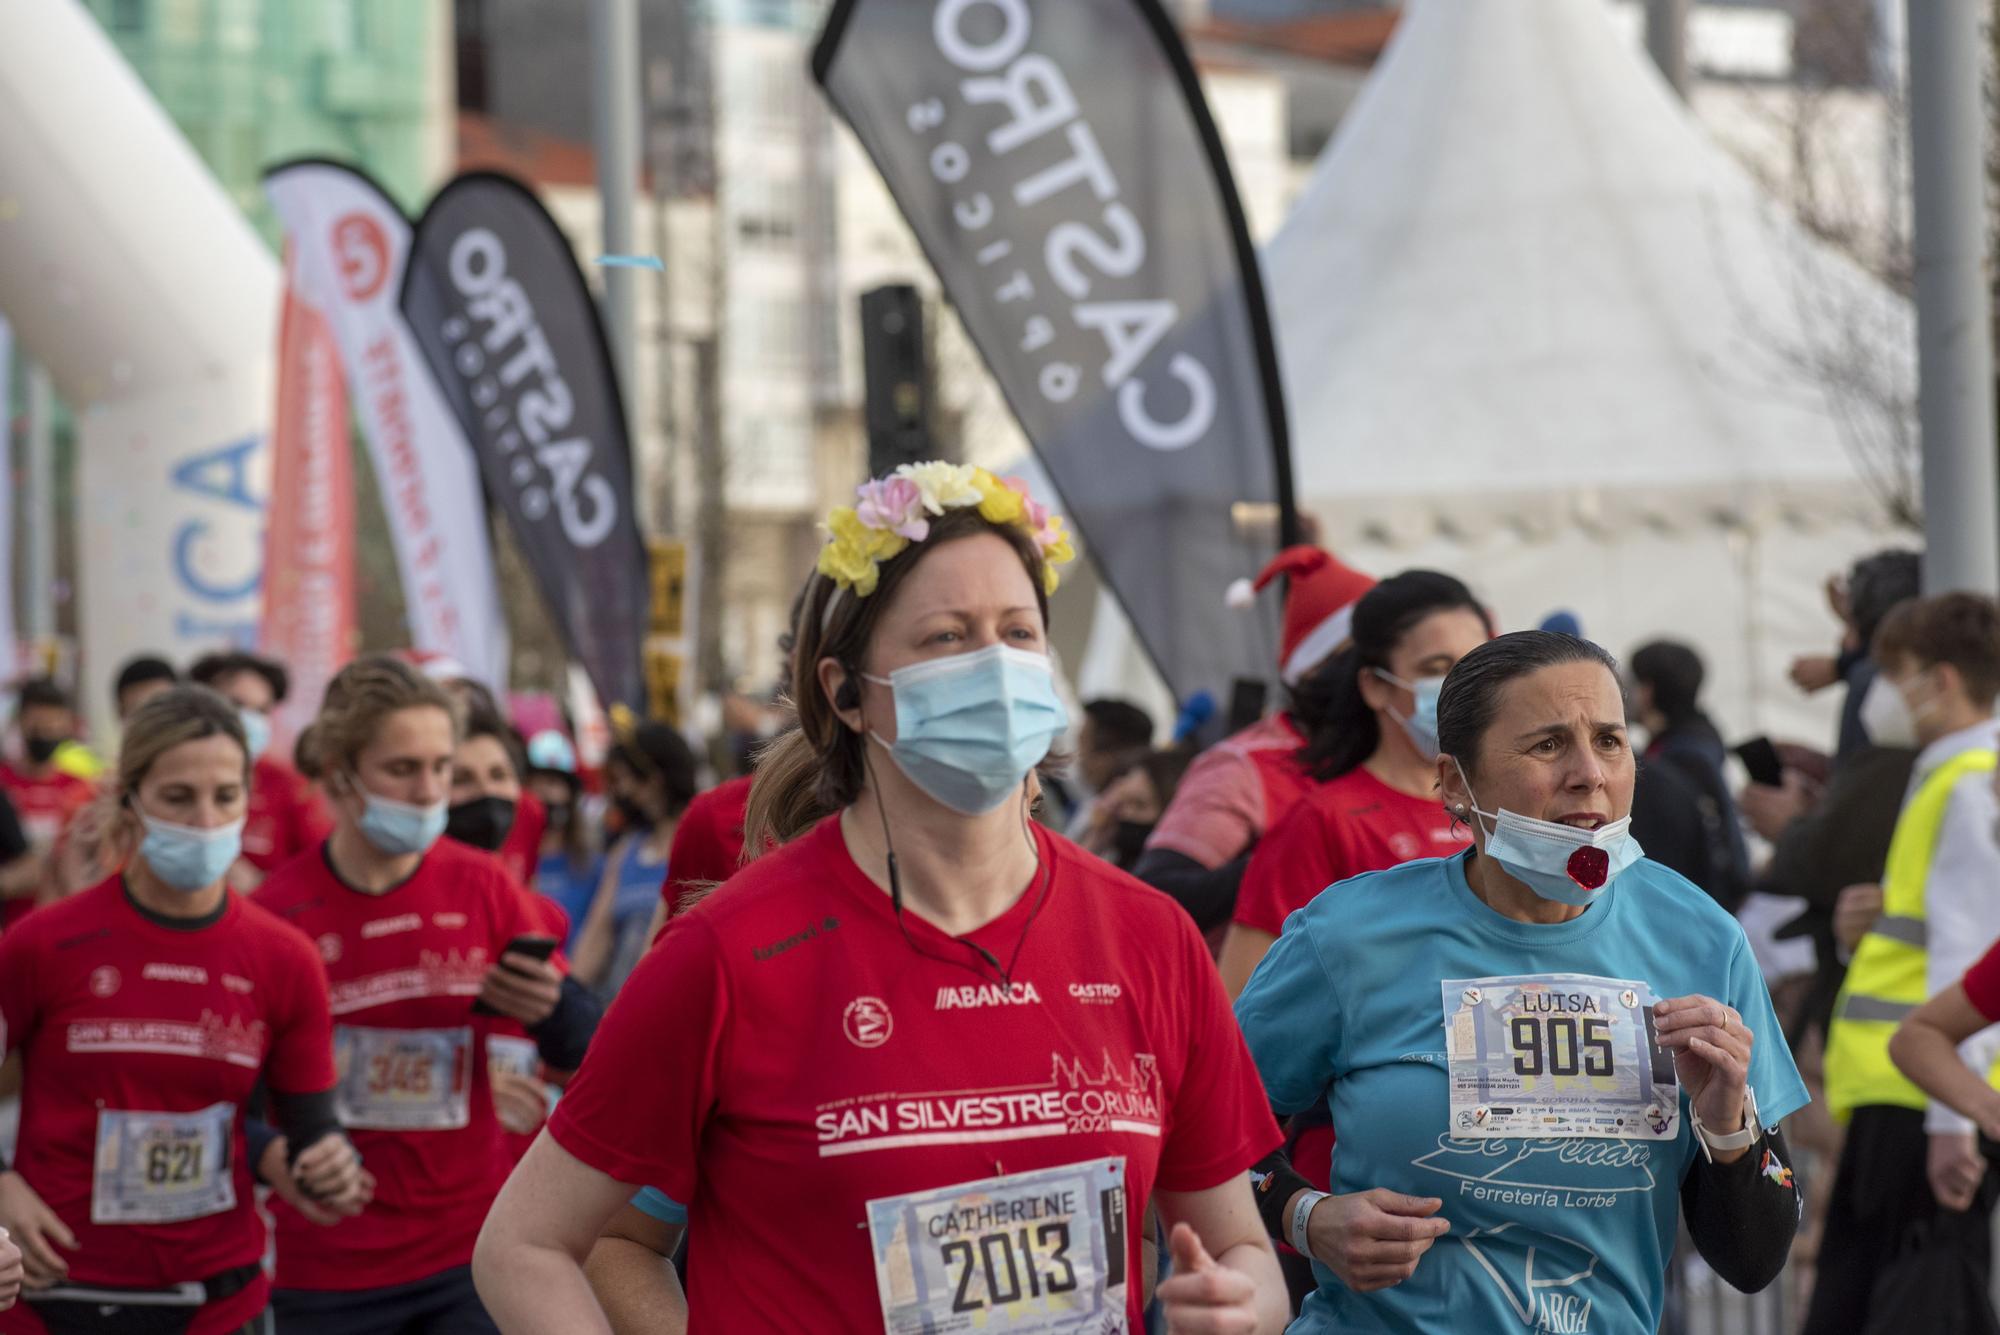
(1886, 980)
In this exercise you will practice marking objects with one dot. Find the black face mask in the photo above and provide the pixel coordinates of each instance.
(633, 816)
(1129, 841)
(483, 822)
(42, 749)
(559, 815)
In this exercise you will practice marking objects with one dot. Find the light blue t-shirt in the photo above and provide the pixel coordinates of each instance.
(1567, 1236)
(652, 1201)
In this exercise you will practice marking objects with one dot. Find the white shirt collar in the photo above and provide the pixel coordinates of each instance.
(1984, 733)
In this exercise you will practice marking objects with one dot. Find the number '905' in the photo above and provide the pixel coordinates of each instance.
(1550, 1044)
(1012, 1268)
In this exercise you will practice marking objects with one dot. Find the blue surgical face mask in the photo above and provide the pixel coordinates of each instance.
(1422, 724)
(186, 858)
(256, 732)
(399, 828)
(971, 726)
(1560, 862)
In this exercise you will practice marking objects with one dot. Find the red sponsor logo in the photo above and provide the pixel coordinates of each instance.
(362, 250)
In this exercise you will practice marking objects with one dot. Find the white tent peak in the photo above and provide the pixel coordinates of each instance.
(1524, 285)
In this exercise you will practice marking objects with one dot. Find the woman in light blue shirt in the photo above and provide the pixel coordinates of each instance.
(1538, 1053)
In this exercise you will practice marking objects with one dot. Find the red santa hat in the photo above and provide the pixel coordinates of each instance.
(1319, 605)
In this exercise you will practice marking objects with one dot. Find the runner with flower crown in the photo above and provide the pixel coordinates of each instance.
(925, 1064)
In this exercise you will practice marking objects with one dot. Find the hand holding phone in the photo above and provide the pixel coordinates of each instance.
(534, 946)
(1760, 758)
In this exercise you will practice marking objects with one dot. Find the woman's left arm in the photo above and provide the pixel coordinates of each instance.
(1226, 1279)
(1742, 1214)
(528, 1263)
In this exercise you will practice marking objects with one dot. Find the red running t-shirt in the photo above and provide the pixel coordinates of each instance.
(784, 1057)
(1982, 984)
(115, 1014)
(414, 1091)
(1350, 825)
(708, 843)
(286, 816)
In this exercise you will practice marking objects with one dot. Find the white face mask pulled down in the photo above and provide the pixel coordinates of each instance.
(1560, 862)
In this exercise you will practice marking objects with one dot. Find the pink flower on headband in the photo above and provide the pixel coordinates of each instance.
(895, 504)
(1035, 514)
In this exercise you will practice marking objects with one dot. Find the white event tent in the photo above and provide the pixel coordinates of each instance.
(1540, 331)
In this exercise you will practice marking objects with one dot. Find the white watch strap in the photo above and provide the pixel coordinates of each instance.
(1752, 1132)
(1302, 1210)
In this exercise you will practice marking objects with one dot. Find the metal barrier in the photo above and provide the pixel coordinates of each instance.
(1699, 1302)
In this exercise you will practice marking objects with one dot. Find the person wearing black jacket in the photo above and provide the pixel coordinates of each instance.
(1682, 811)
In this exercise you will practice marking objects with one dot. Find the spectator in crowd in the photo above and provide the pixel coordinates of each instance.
(570, 867)
(44, 797)
(1114, 735)
(651, 774)
(1913, 1200)
(140, 680)
(1129, 807)
(1860, 600)
(1682, 812)
(286, 817)
(1242, 787)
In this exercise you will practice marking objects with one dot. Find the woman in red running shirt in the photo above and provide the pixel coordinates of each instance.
(926, 1062)
(147, 1009)
(415, 932)
(1373, 754)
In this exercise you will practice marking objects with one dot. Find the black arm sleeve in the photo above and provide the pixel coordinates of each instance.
(306, 1118)
(1741, 1217)
(563, 1038)
(1275, 1182)
(1208, 895)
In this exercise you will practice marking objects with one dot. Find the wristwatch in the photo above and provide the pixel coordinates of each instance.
(1752, 1132)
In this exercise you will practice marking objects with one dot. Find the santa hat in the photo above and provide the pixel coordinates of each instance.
(1319, 605)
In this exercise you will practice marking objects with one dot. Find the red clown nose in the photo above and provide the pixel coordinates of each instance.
(1590, 868)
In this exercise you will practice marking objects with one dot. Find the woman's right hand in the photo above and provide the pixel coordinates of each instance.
(1374, 1239)
(35, 1227)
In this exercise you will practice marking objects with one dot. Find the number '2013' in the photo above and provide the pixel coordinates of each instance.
(993, 1251)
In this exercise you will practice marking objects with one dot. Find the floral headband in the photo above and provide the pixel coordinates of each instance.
(890, 513)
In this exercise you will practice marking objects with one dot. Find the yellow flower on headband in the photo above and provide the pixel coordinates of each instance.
(889, 515)
(853, 558)
(998, 503)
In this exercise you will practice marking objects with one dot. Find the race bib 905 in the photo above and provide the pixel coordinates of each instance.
(1557, 1056)
(1027, 1254)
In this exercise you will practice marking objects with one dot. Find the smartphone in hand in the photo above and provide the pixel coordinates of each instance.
(537, 947)
(1760, 758)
